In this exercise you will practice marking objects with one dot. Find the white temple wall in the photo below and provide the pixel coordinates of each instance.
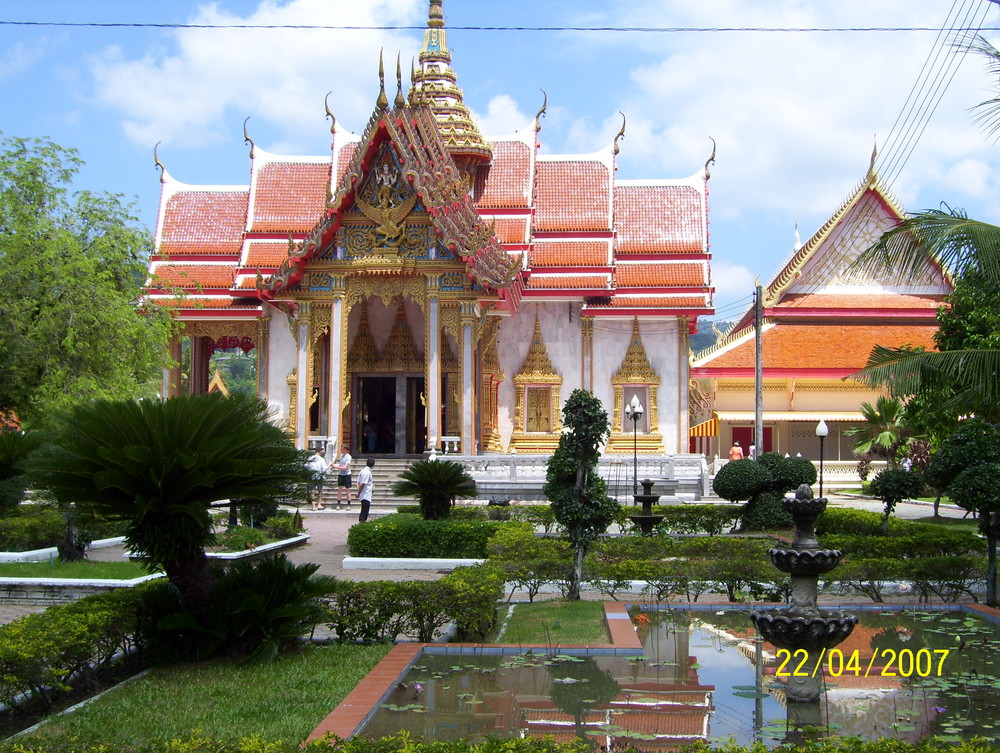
(662, 339)
(281, 359)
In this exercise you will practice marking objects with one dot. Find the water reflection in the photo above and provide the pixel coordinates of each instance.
(695, 680)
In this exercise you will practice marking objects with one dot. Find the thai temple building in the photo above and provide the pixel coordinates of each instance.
(821, 320)
(422, 286)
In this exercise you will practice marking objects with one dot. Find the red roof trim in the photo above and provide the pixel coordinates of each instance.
(247, 313)
(545, 270)
(706, 371)
(781, 312)
(520, 212)
(680, 256)
(577, 235)
(661, 290)
(621, 311)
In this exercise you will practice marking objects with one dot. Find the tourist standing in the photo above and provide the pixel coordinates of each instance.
(317, 466)
(365, 489)
(344, 478)
(736, 452)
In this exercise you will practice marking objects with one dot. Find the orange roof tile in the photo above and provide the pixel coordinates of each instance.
(659, 219)
(195, 302)
(204, 222)
(569, 254)
(193, 276)
(262, 254)
(861, 300)
(289, 196)
(507, 183)
(511, 229)
(823, 346)
(249, 282)
(659, 301)
(344, 157)
(637, 275)
(572, 195)
(566, 282)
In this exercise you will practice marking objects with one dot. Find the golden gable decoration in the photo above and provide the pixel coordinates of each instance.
(636, 372)
(537, 417)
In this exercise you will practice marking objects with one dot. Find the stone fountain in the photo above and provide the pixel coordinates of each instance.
(646, 521)
(802, 625)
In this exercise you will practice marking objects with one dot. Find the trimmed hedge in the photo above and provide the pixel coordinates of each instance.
(379, 611)
(529, 561)
(465, 512)
(40, 652)
(404, 535)
(697, 519)
(37, 527)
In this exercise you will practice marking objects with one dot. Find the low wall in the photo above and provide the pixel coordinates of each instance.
(47, 592)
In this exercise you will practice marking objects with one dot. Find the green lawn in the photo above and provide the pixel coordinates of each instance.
(123, 570)
(557, 622)
(221, 699)
(971, 523)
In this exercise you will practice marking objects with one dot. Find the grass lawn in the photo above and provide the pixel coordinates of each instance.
(557, 621)
(123, 570)
(221, 699)
(970, 523)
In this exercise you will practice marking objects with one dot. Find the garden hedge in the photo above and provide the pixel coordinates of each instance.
(403, 535)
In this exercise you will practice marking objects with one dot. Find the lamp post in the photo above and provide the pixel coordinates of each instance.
(822, 430)
(633, 412)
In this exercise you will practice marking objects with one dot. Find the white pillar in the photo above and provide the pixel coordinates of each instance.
(468, 382)
(302, 321)
(433, 356)
(335, 384)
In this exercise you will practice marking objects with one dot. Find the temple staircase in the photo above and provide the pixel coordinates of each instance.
(384, 474)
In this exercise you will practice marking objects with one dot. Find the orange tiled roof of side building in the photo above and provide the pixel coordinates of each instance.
(828, 346)
(344, 156)
(204, 222)
(558, 282)
(659, 301)
(569, 254)
(194, 275)
(660, 275)
(510, 171)
(289, 196)
(572, 195)
(861, 301)
(194, 302)
(659, 219)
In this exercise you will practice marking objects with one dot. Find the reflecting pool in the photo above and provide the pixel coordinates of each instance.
(906, 675)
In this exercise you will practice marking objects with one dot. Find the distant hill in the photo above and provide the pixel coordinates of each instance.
(705, 336)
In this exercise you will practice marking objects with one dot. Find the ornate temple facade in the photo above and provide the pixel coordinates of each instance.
(423, 286)
(821, 319)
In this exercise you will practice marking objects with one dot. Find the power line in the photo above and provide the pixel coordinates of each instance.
(616, 29)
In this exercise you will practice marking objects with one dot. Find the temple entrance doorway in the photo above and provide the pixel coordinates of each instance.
(375, 416)
(416, 423)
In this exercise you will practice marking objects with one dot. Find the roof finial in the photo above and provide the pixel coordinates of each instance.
(621, 133)
(326, 106)
(435, 14)
(399, 101)
(246, 137)
(382, 102)
(411, 95)
(541, 112)
(156, 161)
(798, 241)
(710, 160)
(871, 165)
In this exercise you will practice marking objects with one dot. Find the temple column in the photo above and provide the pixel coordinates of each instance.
(303, 320)
(336, 374)
(468, 380)
(199, 366)
(433, 358)
(263, 343)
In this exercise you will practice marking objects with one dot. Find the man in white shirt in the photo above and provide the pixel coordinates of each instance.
(344, 478)
(365, 489)
(317, 466)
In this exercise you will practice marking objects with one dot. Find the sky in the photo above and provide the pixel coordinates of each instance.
(794, 114)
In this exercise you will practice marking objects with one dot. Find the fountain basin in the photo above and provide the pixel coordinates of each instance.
(788, 630)
(805, 562)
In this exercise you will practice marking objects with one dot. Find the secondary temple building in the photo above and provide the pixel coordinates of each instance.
(423, 286)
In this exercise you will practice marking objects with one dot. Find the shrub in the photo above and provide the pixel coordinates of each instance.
(281, 525)
(409, 536)
(892, 486)
(241, 537)
(256, 514)
(844, 520)
(765, 513)
(436, 484)
(464, 512)
(739, 480)
(31, 527)
(540, 516)
(529, 561)
(474, 594)
(697, 519)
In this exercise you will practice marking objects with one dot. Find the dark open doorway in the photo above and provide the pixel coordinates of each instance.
(375, 417)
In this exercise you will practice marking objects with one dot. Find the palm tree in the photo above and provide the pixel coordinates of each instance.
(435, 484)
(162, 466)
(884, 434)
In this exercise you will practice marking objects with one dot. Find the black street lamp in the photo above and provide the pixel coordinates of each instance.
(822, 430)
(633, 412)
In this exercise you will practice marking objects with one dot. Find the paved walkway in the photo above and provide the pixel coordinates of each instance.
(327, 545)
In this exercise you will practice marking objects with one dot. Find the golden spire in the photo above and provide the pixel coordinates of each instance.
(382, 102)
(438, 87)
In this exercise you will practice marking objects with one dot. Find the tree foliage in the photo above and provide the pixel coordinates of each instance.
(762, 483)
(71, 270)
(160, 466)
(578, 495)
(885, 432)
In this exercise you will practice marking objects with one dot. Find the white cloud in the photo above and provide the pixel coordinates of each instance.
(193, 93)
(19, 58)
(733, 282)
(502, 117)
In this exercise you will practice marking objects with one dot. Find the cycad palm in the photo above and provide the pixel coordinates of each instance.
(160, 466)
(435, 483)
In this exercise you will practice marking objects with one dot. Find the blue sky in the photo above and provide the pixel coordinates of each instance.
(794, 114)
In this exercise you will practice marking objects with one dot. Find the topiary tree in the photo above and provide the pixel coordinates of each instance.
(762, 483)
(435, 484)
(578, 495)
(892, 486)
